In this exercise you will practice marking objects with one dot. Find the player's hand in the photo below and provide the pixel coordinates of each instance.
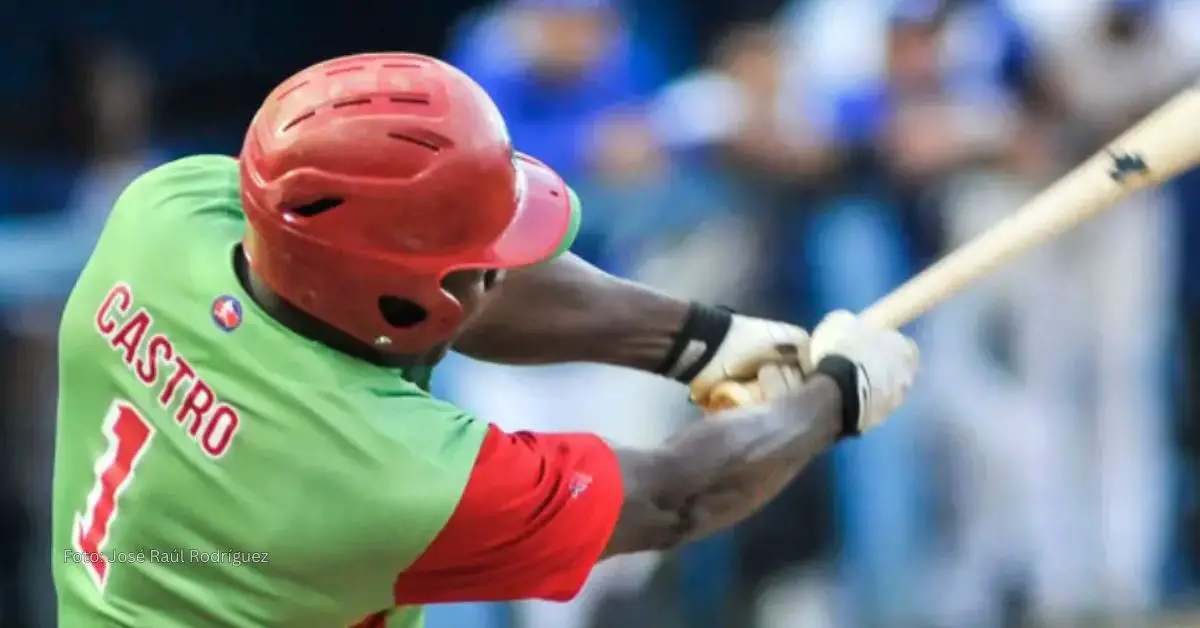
(750, 344)
(777, 380)
(875, 367)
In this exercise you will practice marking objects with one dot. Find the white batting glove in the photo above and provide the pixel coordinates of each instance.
(874, 367)
(750, 344)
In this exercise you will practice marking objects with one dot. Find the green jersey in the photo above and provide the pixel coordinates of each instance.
(212, 467)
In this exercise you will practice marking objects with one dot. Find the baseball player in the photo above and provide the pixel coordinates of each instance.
(244, 432)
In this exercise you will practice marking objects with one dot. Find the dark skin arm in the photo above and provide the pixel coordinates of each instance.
(583, 314)
(715, 473)
(710, 475)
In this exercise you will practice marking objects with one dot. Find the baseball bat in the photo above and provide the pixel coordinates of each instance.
(1161, 146)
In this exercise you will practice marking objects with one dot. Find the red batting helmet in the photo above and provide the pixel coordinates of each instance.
(367, 179)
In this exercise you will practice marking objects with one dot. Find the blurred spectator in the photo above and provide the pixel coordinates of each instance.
(911, 95)
(39, 258)
(1004, 487)
(119, 90)
(962, 145)
(750, 117)
(1113, 315)
(942, 115)
(564, 73)
(751, 108)
(737, 122)
(555, 68)
(1115, 44)
(929, 80)
(775, 133)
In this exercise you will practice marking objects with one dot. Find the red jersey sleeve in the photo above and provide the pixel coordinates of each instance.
(537, 513)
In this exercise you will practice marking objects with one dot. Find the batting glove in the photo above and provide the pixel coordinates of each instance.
(874, 367)
(716, 345)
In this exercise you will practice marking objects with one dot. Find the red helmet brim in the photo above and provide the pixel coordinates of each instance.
(542, 221)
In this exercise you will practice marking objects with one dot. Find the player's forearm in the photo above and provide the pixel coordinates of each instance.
(571, 311)
(715, 473)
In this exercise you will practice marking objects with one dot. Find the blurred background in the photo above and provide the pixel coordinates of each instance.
(784, 157)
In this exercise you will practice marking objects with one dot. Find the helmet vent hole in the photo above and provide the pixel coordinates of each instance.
(291, 89)
(351, 103)
(400, 312)
(298, 119)
(422, 142)
(345, 70)
(411, 99)
(316, 207)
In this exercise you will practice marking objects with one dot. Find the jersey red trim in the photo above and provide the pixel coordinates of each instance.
(537, 513)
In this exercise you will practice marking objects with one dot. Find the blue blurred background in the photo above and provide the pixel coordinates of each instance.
(782, 156)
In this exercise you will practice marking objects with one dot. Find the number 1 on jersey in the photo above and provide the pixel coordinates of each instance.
(128, 434)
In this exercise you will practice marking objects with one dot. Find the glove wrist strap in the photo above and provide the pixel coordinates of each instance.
(704, 329)
(845, 374)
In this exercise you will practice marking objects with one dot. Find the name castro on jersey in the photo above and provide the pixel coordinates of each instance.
(128, 328)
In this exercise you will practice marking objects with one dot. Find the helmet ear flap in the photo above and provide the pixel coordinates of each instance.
(411, 324)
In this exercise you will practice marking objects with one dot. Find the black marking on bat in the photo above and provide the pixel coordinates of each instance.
(1125, 165)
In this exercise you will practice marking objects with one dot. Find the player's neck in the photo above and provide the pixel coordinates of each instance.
(305, 325)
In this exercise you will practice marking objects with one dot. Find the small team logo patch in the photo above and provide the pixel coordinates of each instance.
(227, 313)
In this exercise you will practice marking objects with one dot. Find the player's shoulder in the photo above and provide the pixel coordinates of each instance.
(197, 181)
(171, 217)
(406, 413)
(178, 220)
(202, 168)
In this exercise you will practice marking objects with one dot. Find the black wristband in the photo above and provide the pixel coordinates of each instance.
(703, 330)
(845, 374)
